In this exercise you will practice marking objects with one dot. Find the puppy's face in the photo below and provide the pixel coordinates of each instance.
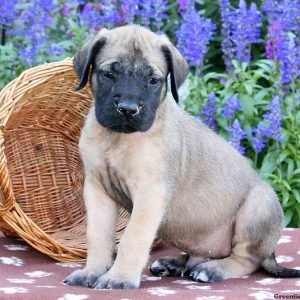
(127, 92)
(129, 68)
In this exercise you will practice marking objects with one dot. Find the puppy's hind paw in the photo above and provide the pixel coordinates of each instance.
(166, 267)
(203, 274)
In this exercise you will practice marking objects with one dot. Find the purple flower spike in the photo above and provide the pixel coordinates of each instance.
(128, 10)
(209, 112)
(237, 134)
(193, 36)
(286, 13)
(274, 118)
(8, 12)
(259, 140)
(185, 4)
(152, 13)
(240, 29)
(231, 106)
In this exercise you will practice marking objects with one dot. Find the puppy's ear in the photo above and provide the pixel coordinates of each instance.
(84, 58)
(177, 67)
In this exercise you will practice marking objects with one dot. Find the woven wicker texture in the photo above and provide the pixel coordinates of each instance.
(41, 175)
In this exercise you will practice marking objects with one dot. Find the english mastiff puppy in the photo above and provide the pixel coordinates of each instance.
(177, 178)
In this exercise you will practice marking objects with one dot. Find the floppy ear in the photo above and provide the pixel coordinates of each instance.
(84, 58)
(177, 67)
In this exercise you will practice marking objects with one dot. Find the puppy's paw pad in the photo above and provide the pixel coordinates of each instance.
(206, 275)
(166, 267)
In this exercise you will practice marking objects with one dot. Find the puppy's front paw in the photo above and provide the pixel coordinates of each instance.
(115, 281)
(83, 278)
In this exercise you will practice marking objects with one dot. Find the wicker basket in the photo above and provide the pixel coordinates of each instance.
(41, 174)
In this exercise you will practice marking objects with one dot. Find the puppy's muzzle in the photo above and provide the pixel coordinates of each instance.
(127, 106)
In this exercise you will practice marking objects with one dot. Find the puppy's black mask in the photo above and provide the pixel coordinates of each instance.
(127, 90)
(127, 93)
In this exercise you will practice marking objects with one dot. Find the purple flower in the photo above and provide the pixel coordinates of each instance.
(227, 43)
(282, 48)
(269, 127)
(286, 13)
(54, 49)
(193, 36)
(90, 16)
(282, 45)
(30, 29)
(274, 41)
(185, 4)
(237, 134)
(152, 13)
(273, 118)
(209, 112)
(240, 29)
(128, 9)
(8, 12)
(259, 139)
(289, 59)
(110, 15)
(66, 11)
(231, 106)
(98, 15)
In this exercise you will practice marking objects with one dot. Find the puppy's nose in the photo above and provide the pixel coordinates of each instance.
(128, 109)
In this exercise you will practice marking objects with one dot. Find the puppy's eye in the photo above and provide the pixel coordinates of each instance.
(153, 80)
(108, 75)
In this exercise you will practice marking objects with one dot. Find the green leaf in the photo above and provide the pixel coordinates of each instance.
(244, 66)
(259, 96)
(292, 149)
(247, 106)
(287, 186)
(285, 196)
(249, 87)
(290, 169)
(283, 155)
(269, 164)
(296, 195)
(295, 181)
(297, 118)
(288, 217)
(211, 75)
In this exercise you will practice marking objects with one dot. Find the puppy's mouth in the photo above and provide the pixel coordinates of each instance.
(124, 128)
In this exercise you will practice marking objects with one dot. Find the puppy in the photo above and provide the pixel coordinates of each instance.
(177, 178)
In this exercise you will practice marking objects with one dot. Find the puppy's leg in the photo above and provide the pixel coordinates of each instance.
(135, 244)
(101, 222)
(257, 229)
(172, 266)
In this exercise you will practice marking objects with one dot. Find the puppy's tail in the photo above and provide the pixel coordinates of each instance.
(271, 266)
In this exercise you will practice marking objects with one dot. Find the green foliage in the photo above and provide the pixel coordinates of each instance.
(10, 66)
(255, 85)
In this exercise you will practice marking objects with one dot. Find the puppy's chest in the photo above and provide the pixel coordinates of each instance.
(115, 179)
